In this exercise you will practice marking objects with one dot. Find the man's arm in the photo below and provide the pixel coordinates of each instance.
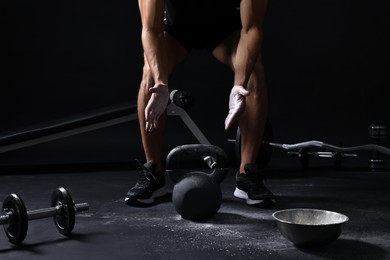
(252, 14)
(152, 15)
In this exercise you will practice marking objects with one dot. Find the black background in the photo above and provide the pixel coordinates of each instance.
(326, 67)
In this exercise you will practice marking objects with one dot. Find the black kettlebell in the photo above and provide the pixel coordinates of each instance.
(196, 195)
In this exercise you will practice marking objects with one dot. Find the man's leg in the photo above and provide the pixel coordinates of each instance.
(146, 189)
(252, 120)
(151, 141)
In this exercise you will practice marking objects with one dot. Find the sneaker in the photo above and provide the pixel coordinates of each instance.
(250, 187)
(149, 186)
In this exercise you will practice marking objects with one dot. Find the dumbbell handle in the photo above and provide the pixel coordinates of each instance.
(4, 218)
(53, 211)
(43, 213)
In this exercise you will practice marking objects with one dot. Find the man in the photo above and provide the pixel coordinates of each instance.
(233, 35)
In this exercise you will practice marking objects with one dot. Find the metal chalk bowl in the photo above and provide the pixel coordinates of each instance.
(309, 227)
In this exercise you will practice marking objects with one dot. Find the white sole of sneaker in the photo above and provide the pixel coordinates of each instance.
(157, 193)
(244, 196)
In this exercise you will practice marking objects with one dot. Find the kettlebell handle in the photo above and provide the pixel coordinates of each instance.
(179, 158)
(212, 155)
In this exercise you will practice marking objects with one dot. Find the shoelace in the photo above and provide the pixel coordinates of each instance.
(143, 179)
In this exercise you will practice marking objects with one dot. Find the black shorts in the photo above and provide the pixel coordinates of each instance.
(201, 38)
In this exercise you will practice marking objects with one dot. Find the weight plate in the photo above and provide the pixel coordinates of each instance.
(183, 99)
(16, 230)
(377, 131)
(265, 152)
(304, 157)
(65, 219)
(337, 157)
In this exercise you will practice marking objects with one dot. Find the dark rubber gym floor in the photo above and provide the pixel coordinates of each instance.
(113, 230)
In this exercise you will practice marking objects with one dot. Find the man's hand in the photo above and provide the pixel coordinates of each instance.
(236, 105)
(156, 106)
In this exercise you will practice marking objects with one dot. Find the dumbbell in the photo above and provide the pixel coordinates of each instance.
(377, 133)
(304, 155)
(15, 217)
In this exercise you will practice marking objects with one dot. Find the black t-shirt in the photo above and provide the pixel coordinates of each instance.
(200, 13)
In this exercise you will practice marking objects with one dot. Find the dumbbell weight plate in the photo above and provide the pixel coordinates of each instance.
(16, 230)
(65, 220)
(265, 152)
